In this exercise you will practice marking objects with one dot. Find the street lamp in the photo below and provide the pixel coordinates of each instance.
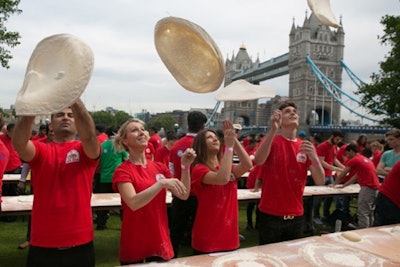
(176, 126)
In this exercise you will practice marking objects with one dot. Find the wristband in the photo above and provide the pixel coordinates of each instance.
(185, 167)
(228, 148)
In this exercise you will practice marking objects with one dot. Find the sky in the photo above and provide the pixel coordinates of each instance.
(129, 74)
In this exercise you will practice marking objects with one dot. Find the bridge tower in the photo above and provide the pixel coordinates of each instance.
(325, 47)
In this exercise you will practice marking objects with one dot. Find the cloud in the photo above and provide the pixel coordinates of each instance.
(128, 73)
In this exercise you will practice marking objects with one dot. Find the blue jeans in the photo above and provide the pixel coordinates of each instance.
(327, 201)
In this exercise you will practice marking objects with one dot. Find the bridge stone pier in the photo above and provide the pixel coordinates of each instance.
(316, 106)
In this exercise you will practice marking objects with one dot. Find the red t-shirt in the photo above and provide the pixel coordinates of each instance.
(4, 154)
(341, 154)
(216, 225)
(163, 155)
(376, 157)
(177, 151)
(283, 179)
(61, 212)
(253, 175)
(328, 151)
(144, 232)
(250, 151)
(390, 187)
(365, 171)
(156, 140)
(149, 151)
(37, 137)
(14, 161)
(102, 137)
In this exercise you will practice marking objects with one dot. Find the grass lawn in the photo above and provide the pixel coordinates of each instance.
(106, 242)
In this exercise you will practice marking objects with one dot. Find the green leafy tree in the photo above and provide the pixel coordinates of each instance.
(109, 118)
(103, 117)
(121, 117)
(383, 94)
(7, 38)
(164, 121)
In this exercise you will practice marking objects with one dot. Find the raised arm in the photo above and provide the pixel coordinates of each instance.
(263, 151)
(223, 174)
(21, 138)
(317, 172)
(86, 129)
(186, 161)
(381, 169)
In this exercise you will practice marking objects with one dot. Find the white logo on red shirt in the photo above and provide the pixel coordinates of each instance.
(179, 153)
(159, 176)
(72, 156)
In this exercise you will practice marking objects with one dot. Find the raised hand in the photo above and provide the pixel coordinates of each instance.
(276, 119)
(188, 156)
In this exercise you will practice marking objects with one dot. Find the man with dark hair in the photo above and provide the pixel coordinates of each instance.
(41, 134)
(184, 211)
(62, 224)
(363, 171)
(284, 161)
(389, 157)
(163, 153)
(327, 152)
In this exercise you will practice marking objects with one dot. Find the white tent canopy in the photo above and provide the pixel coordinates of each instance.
(241, 90)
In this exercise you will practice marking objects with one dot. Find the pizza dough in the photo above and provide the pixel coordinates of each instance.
(322, 10)
(247, 259)
(320, 254)
(57, 74)
(190, 54)
(396, 230)
(351, 236)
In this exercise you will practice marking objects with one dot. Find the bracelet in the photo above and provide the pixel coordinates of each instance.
(228, 148)
(185, 167)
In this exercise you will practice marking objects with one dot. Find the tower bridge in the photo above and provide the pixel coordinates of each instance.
(266, 70)
(318, 109)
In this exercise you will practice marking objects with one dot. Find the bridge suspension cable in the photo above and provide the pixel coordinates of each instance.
(335, 91)
(356, 80)
(213, 113)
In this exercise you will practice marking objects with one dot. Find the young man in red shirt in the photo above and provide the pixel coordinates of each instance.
(285, 160)
(327, 154)
(363, 170)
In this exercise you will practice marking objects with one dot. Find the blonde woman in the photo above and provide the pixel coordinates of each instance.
(143, 185)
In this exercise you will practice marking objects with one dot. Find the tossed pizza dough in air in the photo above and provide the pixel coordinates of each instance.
(322, 10)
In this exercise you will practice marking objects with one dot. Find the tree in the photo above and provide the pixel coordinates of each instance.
(104, 118)
(164, 121)
(121, 117)
(383, 94)
(109, 118)
(7, 38)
